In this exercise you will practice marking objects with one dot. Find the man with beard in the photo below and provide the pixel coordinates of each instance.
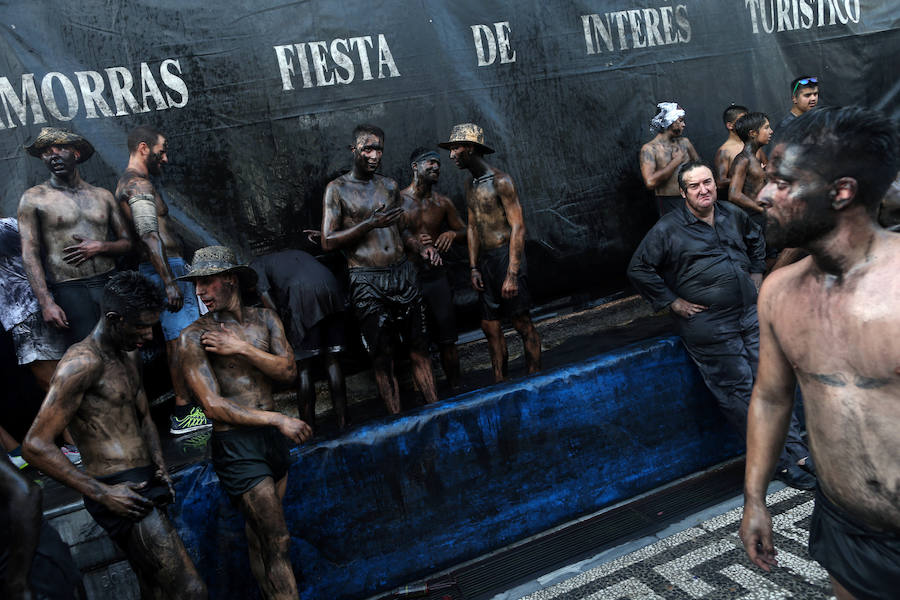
(804, 98)
(434, 219)
(746, 175)
(231, 356)
(661, 156)
(161, 261)
(362, 215)
(496, 237)
(832, 323)
(64, 224)
(97, 393)
(705, 262)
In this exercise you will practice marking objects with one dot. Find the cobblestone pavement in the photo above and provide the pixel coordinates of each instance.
(708, 561)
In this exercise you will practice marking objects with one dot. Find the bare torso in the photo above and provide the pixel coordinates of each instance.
(487, 212)
(129, 184)
(843, 342)
(662, 151)
(62, 213)
(355, 200)
(755, 175)
(242, 383)
(106, 425)
(722, 161)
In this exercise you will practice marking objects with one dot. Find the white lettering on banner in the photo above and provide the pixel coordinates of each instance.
(322, 63)
(498, 45)
(771, 16)
(639, 28)
(62, 98)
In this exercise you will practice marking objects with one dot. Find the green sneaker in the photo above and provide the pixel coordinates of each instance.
(192, 421)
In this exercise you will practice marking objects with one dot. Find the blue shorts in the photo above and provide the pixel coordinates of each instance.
(173, 323)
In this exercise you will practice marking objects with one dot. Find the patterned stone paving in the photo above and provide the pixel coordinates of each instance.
(708, 561)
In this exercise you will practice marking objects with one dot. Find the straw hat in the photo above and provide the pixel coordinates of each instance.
(467, 132)
(216, 260)
(53, 136)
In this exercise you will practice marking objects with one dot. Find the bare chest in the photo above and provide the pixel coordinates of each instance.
(114, 393)
(65, 211)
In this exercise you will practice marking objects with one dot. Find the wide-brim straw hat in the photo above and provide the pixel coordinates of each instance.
(218, 260)
(54, 136)
(469, 133)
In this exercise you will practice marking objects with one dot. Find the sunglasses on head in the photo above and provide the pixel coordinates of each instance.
(806, 81)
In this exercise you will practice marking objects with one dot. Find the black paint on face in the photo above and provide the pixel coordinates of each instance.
(461, 154)
(429, 170)
(158, 156)
(135, 332)
(367, 153)
(60, 160)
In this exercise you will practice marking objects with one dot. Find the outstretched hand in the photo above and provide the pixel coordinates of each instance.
(384, 217)
(123, 500)
(84, 250)
(756, 534)
(222, 341)
(314, 236)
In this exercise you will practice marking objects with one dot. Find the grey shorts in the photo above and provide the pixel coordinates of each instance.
(35, 339)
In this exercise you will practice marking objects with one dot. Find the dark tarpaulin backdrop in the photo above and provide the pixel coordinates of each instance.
(250, 159)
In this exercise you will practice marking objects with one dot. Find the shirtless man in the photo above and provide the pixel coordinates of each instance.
(161, 261)
(496, 237)
(362, 214)
(434, 219)
(832, 322)
(97, 393)
(746, 175)
(64, 223)
(731, 148)
(661, 156)
(804, 98)
(231, 356)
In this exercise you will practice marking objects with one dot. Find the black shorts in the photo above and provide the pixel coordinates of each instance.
(327, 335)
(438, 297)
(493, 265)
(387, 302)
(244, 457)
(80, 299)
(118, 527)
(864, 561)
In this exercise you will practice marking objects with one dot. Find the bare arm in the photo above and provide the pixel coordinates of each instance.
(412, 241)
(653, 177)
(30, 232)
(153, 244)
(149, 432)
(690, 149)
(474, 244)
(722, 163)
(200, 378)
(19, 497)
(457, 231)
(767, 423)
(334, 238)
(736, 193)
(77, 372)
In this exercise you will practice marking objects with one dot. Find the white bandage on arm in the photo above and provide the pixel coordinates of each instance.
(143, 213)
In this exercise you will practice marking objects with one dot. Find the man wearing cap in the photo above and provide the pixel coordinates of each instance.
(434, 219)
(160, 253)
(231, 356)
(661, 156)
(804, 98)
(362, 215)
(97, 392)
(64, 224)
(496, 238)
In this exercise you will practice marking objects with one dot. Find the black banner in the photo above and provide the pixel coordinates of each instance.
(258, 99)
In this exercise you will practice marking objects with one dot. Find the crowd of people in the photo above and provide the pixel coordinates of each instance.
(827, 321)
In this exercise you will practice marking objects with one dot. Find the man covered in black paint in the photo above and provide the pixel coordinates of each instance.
(705, 262)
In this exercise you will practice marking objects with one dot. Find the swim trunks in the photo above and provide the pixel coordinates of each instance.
(173, 322)
(118, 527)
(243, 457)
(438, 298)
(493, 265)
(35, 339)
(864, 561)
(387, 301)
(80, 299)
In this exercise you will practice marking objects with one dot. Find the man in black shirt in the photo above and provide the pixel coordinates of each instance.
(705, 261)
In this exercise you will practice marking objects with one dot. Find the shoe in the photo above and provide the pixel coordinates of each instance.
(18, 461)
(192, 421)
(793, 476)
(72, 453)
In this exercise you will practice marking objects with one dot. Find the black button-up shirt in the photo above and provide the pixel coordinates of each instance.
(684, 257)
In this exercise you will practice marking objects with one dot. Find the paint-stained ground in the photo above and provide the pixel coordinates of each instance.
(700, 557)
